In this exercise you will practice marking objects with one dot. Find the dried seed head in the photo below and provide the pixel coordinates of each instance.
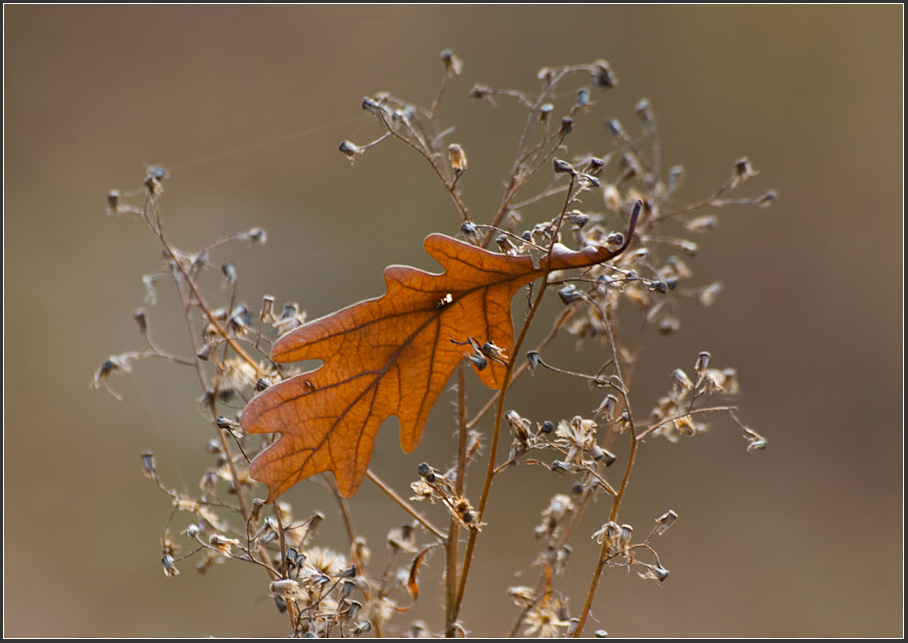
(141, 320)
(148, 465)
(372, 106)
(682, 381)
(602, 75)
(520, 426)
(614, 240)
(743, 170)
(583, 98)
(708, 295)
(453, 64)
(170, 568)
(569, 294)
(702, 224)
(229, 272)
(505, 245)
(458, 158)
(546, 428)
(481, 91)
(562, 167)
(602, 455)
(594, 166)
(600, 634)
(654, 572)
(702, 362)
(578, 218)
(614, 128)
(533, 360)
(567, 126)
(545, 111)
(113, 201)
(664, 522)
(470, 231)
(767, 199)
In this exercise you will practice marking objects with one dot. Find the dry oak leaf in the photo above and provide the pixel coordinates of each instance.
(391, 356)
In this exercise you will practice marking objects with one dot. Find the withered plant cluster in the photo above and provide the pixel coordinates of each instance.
(549, 196)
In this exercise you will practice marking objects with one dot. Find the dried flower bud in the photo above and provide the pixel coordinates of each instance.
(257, 235)
(702, 224)
(458, 158)
(545, 111)
(229, 272)
(614, 128)
(708, 295)
(702, 362)
(562, 167)
(256, 514)
(113, 201)
(664, 522)
(567, 126)
(743, 170)
(546, 428)
(767, 199)
(372, 106)
(600, 634)
(520, 426)
(654, 572)
(602, 75)
(682, 381)
(505, 245)
(148, 465)
(533, 360)
(578, 218)
(453, 64)
(170, 568)
(594, 166)
(481, 91)
(569, 294)
(583, 98)
(141, 320)
(470, 231)
(602, 455)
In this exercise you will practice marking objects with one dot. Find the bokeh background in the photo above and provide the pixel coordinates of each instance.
(246, 106)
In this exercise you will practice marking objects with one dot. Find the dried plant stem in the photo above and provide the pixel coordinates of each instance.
(199, 299)
(406, 506)
(499, 414)
(453, 541)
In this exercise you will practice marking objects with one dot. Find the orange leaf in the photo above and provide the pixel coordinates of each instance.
(391, 356)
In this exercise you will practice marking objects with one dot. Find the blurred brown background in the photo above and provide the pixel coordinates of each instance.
(247, 105)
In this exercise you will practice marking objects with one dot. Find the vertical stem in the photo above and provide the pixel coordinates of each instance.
(451, 546)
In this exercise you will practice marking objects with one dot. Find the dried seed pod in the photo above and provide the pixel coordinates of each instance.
(602, 75)
(141, 320)
(458, 158)
(453, 64)
(767, 199)
(148, 465)
(562, 167)
(113, 201)
(569, 294)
